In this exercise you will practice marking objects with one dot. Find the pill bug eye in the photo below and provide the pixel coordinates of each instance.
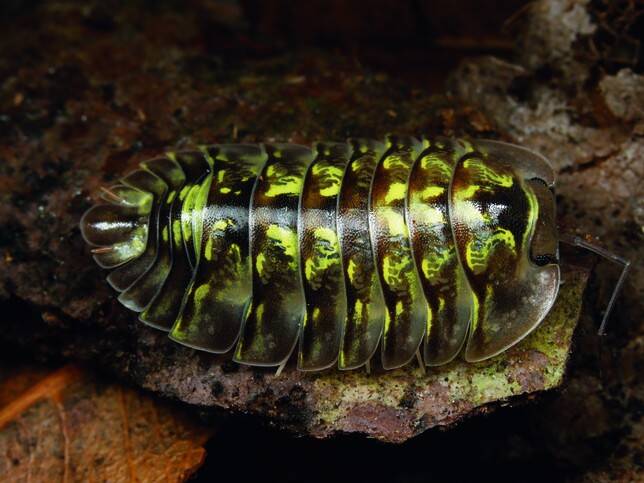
(420, 247)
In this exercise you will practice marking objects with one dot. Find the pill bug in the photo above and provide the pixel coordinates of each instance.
(419, 246)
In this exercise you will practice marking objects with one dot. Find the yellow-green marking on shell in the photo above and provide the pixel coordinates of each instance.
(141, 294)
(321, 260)
(364, 299)
(493, 225)
(167, 304)
(444, 284)
(272, 325)
(406, 307)
(343, 247)
(220, 290)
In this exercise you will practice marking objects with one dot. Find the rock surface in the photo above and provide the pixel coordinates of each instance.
(86, 96)
(392, 406)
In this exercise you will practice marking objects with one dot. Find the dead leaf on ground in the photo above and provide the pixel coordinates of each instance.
(15, 379)
(66, 426)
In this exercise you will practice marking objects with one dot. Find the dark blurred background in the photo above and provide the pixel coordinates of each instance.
(418, 40)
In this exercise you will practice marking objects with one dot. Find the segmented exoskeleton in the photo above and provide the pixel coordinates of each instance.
(407, 244)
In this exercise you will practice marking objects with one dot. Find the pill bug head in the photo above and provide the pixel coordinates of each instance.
(539, 175)
(511, 259)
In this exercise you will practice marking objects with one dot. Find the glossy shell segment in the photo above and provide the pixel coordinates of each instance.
(494, 214)
(444, 284)
(274, 318)
(220, 290)
(406, 308)
(321, 259)
(422, 247)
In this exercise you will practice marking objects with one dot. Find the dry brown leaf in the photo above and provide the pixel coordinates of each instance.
(16, 379)
(68, 427)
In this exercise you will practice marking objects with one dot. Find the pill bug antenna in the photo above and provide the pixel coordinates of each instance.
(602, 252)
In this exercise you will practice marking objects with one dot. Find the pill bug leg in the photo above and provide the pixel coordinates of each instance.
(494, 213)
(217, 296)
(321, 262)
(166, 305)
(364, 299)
(406, 308)
(444, 284)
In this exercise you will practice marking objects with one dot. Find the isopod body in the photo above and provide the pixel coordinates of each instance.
(434, 246)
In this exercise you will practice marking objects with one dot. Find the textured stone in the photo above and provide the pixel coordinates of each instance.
(392, 406)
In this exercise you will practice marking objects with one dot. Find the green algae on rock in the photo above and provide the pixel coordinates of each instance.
(391, 406)
(444, 394)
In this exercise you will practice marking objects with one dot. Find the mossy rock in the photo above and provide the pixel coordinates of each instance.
(392, 406)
